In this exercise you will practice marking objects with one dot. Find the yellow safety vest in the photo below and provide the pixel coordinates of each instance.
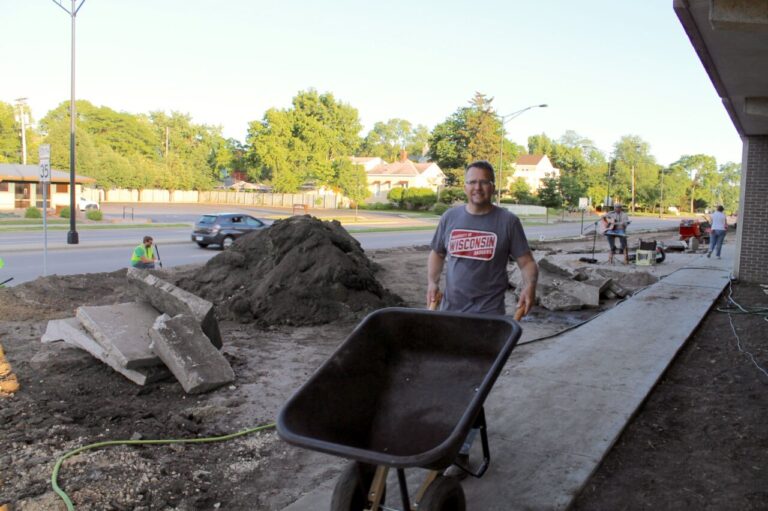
(149, 254)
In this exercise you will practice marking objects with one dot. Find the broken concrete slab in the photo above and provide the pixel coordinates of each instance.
(194, 361)
(601, 283)
(556, 269)
(617, 289)
(123, 331)
(557, 300)
(173, 300)
(72, 332)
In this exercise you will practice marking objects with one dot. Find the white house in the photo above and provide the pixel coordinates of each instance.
(404, 173)
(533, 168)
(20, 187)
(368, 163)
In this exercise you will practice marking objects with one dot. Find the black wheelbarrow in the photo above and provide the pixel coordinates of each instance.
(402, 391)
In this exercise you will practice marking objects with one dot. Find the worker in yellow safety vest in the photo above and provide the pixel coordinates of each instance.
(143, 256)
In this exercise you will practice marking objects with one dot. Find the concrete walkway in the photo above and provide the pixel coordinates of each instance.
(560, 404)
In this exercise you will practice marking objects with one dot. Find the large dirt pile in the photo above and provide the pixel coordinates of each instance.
(299, 271)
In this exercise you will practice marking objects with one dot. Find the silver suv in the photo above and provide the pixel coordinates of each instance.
(224, 228)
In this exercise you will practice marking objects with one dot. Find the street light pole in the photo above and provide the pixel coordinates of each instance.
(504, 119)
(22, 104)
(72, 236)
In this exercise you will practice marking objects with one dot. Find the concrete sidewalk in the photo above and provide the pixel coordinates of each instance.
(560, 404)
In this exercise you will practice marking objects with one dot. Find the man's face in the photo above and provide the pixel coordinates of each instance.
(148, 243)
(478, 185)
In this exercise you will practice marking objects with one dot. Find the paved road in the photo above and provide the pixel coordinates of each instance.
(109, 250)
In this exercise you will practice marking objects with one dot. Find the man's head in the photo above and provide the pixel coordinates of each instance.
(617, 207)
(147, 241)
(720, 209)
(479, 183)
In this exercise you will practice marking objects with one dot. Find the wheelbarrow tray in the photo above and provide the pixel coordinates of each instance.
(404, 388)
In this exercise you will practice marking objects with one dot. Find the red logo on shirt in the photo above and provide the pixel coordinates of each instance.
(472, 244)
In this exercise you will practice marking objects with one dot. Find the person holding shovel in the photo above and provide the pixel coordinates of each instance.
(477, 240)
(143, 256)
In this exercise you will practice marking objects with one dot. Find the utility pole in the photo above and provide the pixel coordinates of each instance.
(72, 236)
(21, 103)
(633, 187)
(661, 199)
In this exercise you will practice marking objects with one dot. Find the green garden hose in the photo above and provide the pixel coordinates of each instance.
(65, 497)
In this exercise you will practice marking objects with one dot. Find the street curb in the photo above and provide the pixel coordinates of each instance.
(81, 246)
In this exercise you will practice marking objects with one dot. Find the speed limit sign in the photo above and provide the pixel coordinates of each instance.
(45, 163)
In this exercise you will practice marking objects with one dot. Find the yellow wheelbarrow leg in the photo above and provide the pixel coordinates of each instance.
(8, 381)
(431, 476)
(377, 487)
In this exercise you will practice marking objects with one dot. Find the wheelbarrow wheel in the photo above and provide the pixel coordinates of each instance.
(351, 491)
(444, 494)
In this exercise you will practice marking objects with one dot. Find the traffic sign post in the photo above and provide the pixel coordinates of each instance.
(45, 182)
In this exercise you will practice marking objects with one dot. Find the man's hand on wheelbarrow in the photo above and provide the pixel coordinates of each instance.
(434, 299)
(434, 296)
(526, 301)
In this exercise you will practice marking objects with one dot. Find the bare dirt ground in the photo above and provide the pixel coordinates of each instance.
(701, 444)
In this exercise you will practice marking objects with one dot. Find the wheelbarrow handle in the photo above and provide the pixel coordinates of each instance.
(436, 302)
(519, 313)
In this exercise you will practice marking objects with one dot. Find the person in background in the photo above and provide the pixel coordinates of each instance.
(717, 235)
(143, 256)
(616, 223)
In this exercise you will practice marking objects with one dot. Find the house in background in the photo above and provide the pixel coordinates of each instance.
(368, 163)
(404, 173)
(20, 187)
(533, 168)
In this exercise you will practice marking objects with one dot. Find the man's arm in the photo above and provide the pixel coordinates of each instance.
(435, 264)
(530, 271)
(145, 259)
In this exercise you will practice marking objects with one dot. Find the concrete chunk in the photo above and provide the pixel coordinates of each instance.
(189, 354)
(601, 283)
(123, 331)
(173, 300)
(71, 331)
(556, 269)
(556, 300)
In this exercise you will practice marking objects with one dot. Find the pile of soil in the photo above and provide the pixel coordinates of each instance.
(57, 296)
(300, 271)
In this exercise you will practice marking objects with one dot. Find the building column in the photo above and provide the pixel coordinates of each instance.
(751, 263)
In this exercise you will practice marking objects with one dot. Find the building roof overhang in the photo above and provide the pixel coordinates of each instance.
(730, 38)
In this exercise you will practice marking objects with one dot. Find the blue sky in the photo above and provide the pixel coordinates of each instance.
(607, 68)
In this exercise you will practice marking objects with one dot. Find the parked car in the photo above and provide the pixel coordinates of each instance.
(223, 229)
(84, 204)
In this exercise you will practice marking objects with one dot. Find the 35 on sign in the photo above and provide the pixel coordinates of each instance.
(45, 171)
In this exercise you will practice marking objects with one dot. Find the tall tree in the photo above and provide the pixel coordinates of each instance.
(471, 133)
(10, 139)
(699, 168)
(351, 180)
(299, 144)
(634, 169)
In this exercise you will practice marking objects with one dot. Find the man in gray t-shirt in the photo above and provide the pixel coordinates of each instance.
(478, 240)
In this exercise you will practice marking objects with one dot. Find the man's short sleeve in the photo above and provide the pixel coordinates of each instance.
(438, 240)
(518, 242)
(138, 252)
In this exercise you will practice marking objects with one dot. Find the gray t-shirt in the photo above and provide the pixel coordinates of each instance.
(477, 249)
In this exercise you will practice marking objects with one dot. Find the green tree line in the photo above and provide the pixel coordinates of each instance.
(309, 143)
